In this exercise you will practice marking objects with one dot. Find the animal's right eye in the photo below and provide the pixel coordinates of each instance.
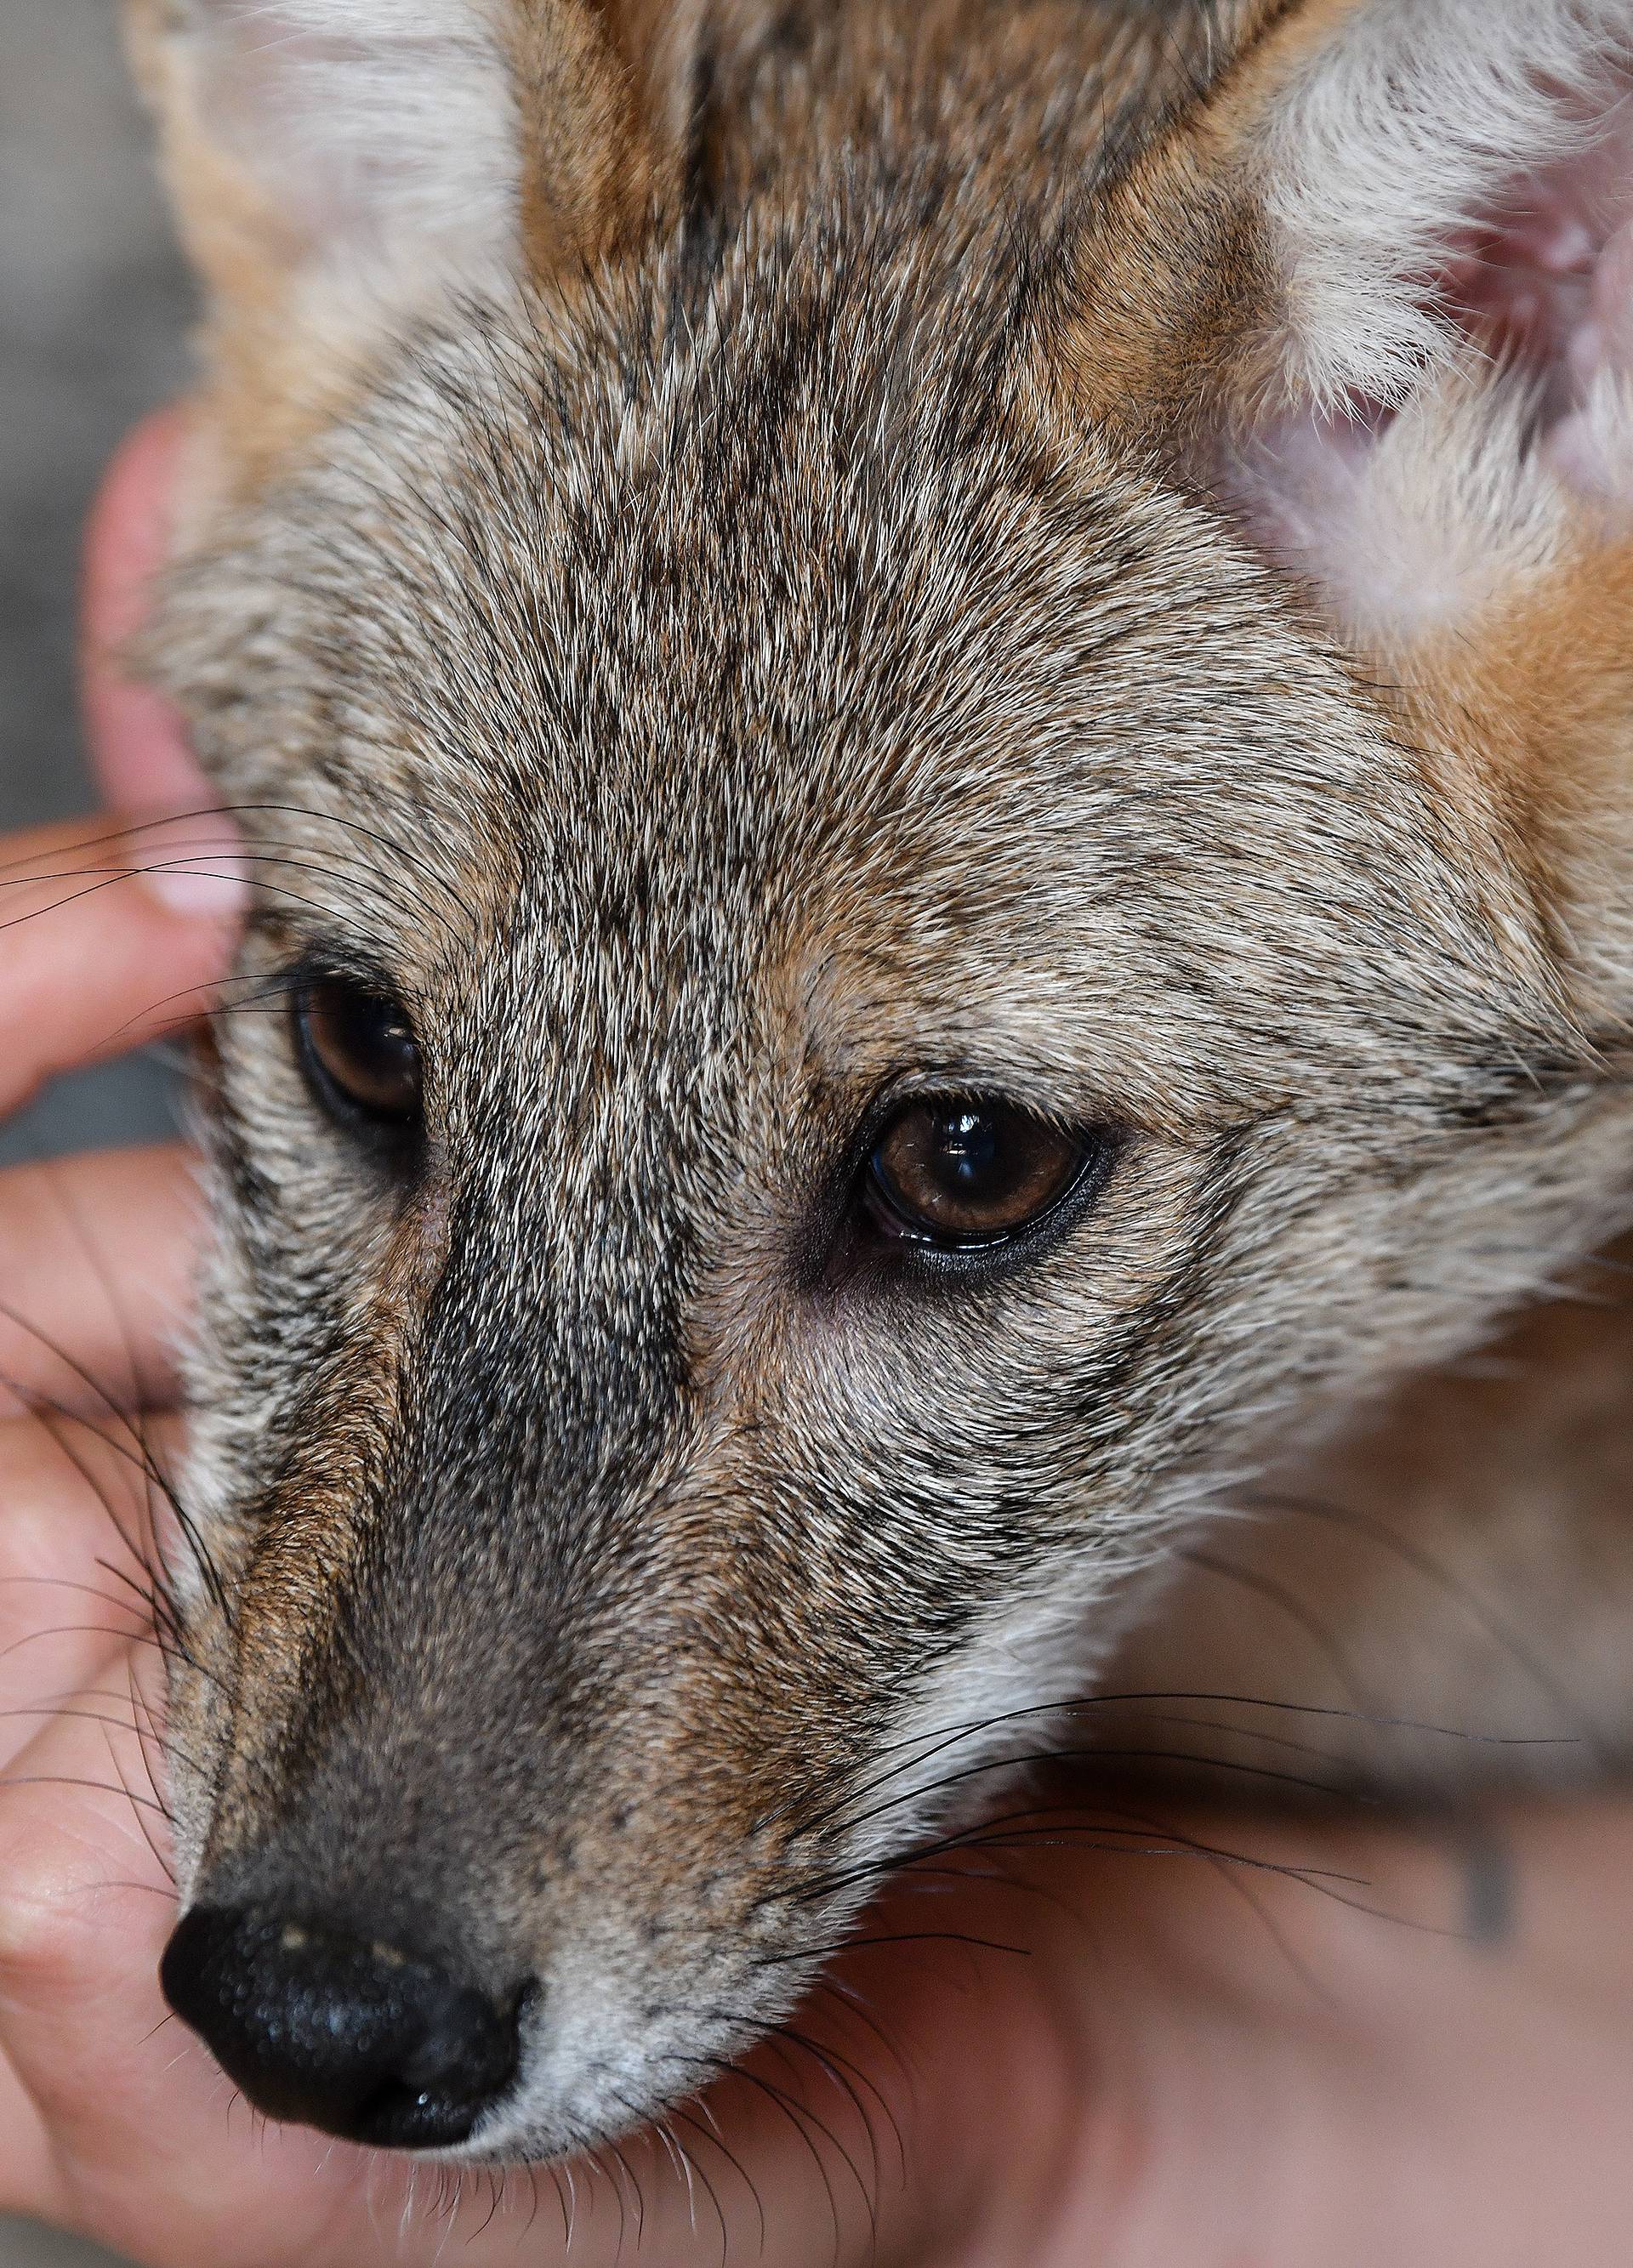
(358, 1051)
(964, 1174)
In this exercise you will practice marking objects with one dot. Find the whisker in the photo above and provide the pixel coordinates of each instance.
(927, 1747)
(138, 1804)
(1269, 1775)
(146, 1600)
(853, 2003)
(82, 1629)
(156, 1602)
(1009, 1830)
(711, 2133)
(845, 2086)
(1279, 1596)
(1326, 1882)
(802, 1952)
(93, 1786)
(679, 2160)
(640, 2202)
(164, 1741)
(1226, 1865)
(141, 1457)
(47, 1712)
(202, 814)
(1424, 1563)
(780, 2102)
(109, 879)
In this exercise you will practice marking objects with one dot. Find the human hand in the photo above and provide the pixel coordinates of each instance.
(1082, 2039)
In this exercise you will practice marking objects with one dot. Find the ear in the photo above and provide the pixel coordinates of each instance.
(1397, 327)
(336, 164)
(1371, 295)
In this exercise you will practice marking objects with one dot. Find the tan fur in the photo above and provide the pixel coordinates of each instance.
(270, 382)
(1535, 700)
(590, 170)
(284, 359)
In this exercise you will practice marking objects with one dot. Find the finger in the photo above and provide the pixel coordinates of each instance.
(96, 1260)
(133, 2118)
(79, 1545)
(93, 960)
(27, 2144)
(149, 2148)
(138, 744)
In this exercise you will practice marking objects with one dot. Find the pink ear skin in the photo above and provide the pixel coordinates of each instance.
(1592, 448)
(1524, 287)
(1406, 519)
(1604, 339)
(1551, 286)
(138, 748)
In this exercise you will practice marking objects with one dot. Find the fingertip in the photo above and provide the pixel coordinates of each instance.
(127, 536)
(138, 748)
(189, 861)
(209, 884)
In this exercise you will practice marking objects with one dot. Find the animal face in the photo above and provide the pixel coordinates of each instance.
(854, 984)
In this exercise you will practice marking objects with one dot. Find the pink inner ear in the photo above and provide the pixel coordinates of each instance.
(1412, 517)
(1592, 453)
(1548, 284)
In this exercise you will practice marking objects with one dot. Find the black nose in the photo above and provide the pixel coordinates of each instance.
(325, 2030)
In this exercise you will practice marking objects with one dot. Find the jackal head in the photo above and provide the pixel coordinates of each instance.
(941, 812)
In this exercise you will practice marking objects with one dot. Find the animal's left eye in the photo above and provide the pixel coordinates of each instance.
(958, 1173)
(358, 1051)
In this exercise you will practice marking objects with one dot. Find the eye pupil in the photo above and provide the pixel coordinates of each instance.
(967, 1148)
(359, 1049)
(963, 1173)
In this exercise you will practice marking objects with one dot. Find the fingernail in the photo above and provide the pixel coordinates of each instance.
(193, 867)
(219, 896)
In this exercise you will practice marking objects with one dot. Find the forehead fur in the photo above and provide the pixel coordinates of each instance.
(761, 603)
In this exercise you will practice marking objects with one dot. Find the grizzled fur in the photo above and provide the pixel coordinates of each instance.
(723, 677)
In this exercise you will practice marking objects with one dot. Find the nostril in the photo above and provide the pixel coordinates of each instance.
(328, 2030)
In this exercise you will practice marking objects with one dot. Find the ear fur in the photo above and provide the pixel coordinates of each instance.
(1387, 138)
(1307, 227)
(1374, 295)
(1377, 288)
(336, 163)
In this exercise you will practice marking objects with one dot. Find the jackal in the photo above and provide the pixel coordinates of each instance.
(934, 702)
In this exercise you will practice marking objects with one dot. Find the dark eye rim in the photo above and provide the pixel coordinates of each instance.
(857, 1241)
(386, 1130)
(883, 1202)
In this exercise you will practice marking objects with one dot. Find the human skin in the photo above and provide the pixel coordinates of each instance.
(1108, 2035)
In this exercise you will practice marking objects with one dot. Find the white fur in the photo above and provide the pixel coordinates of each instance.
(1442, 514)
(1023, 1683)
(1391, 138)
(383, 131)
(1437, 151)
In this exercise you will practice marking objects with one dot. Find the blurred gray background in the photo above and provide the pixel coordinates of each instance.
(94, 314)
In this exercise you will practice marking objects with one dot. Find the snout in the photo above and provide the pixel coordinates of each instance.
(322, 2028)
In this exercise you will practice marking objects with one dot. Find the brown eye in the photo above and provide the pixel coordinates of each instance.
(964, 1173)
(358, 1051)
